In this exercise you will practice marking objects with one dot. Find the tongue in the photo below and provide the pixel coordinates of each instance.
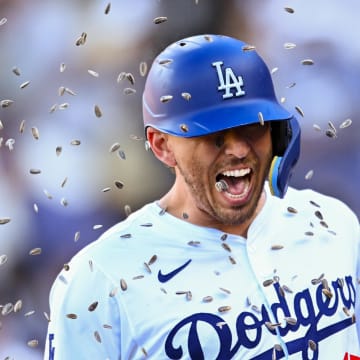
(236, 185)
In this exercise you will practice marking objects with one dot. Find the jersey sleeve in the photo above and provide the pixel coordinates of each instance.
(84, 316)
(357, 305)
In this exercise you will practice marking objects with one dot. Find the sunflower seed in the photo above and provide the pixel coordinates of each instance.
(346, 311)
(289, 45)
(248, 48)
(81, 40)
(97, 111)
(53, 108)
(107, 8)
(113, 292)
(282, 99)
(18, 306)
(66, 267)
(166, 98)
(299, 110)
(309, 233)
(193, 243)
(5, 103)
(75, 142)
(62, 67)
(63, 106)
(143, 68)
(261, 118)
(29, 313)
(130, 77)
(127, 210)
(292, 210)
(277, 247)
(106, 326)
(184, 128)
(289, 9)
(317, 127)
(129, 91)
(332, 126)
(77, 236)
(207, 299)
(35, 133)
(147, 267)
(24, 84)
(69, 91)
(274, 70)
(309, 174)
(71, 316)
(97, 336)
(341, 282)
(119, 184)
(290, 320)
(125, 236)
(35, 251)
(7, 309)
(4, 221)
(327, 293)
(123, 284)
(345, 124)
(208, 38)
(330, 133)
(22, 126)
(160, 19)
(93, 73)
(312, 345)
(16, 71)
(64, 202)
(165, 61)
(3, 259)
(93, 306)
(317, 280)
(268, 282)
(114, 147)
(271, 326)
(188, 295)
(314, 203)
(224, 308)
(46, 315)
(137, 277)
(152, 260)
(291, 85)
(186, 95)
(10, 144)
(232, 260)
(35, 207)
(33, 343)
(226, 246)
(185, 215)
(106, 189)
(225, 290)
(307, 62)
(221, 185)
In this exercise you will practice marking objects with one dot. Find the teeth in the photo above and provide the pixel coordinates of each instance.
(237, 172)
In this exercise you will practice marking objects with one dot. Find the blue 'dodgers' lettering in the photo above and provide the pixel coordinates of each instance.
(249, 326)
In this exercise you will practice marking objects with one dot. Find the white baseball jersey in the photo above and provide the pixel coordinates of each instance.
(158, 287)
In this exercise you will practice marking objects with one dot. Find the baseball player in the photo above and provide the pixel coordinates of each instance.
(230, 263)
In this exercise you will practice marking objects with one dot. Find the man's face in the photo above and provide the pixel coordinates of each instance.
(240, 157)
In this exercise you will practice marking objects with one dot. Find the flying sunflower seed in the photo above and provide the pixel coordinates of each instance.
(121, 154)
(152, 260)
(16, 71)
(274, 70)
(226, 246)
(143, 68)
(332, 126)
(261, 118)
(33, 343)
(307, 62)
(184, 128)
(5, 220)
(35, 171)
(6, 103)
(18, 306)
(277, 247)
(248, 48)
(224, 308)
(289, 9)
(309, 174)
(93, 73)
(207, 299)
(77, 236)
(93, 306)
(22, 126)
(97, 336)
(53, 108)
(232, 260)
(35, 133)
(113, 292)
(289, 46)
(107, 8)
(46, 315)
(129, 91)
(66, 267)
(317, 127)
(123, 284)
(3, 21)
(345, 124)
(114, 147)
(35, 251)
(24, 84)
(131, 78)
(137, 277)
(81, 40)
(208, 38)
(299, 110)
(106, 189)
(185, 215)
(75, 142)
(147, 267)
(106, 326)
(64, 202)
(193, 243)
(186, 96)
(97, 111)
(7, 309)
(63, 183)
(119, 184)
(127, 209)
(62, 67)
(290, 320)
(312, 345)
(1, 125)
(271, 326)
(160, 19)
(165, 61)
(225, 290)
(166, 98)
(63, 106)
(346, 311)
(36, 208)
(58, 150)
(268, 282)
(97, 227)
(291, 210)
(330, 133)
(3, 259)
(71, 316)
(69, 91)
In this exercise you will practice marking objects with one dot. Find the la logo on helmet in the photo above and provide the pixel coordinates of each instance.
(228, 81)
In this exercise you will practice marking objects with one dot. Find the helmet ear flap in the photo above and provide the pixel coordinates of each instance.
(286, 150)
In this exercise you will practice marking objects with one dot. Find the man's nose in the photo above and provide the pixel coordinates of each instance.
(236, 144)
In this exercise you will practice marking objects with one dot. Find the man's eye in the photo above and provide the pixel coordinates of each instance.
(219, 141)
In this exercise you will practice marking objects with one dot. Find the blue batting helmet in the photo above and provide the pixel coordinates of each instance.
(208, 83)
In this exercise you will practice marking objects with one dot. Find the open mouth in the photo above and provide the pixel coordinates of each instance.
(234, 183)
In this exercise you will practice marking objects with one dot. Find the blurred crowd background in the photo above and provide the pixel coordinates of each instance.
(61, 59)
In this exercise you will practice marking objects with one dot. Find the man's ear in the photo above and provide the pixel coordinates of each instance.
(160, 146)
